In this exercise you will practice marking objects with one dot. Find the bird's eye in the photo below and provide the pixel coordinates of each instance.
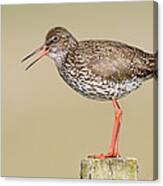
(52, 40)
(55, 39)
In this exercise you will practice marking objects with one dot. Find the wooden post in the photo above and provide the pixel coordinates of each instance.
(109, 168)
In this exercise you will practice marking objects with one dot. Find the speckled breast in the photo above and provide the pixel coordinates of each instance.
(95, 87)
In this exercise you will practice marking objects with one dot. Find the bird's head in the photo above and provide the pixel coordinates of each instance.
(58, 42)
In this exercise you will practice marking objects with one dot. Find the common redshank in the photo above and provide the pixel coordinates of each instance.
(98, 69)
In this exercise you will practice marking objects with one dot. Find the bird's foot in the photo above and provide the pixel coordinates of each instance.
(103, 156)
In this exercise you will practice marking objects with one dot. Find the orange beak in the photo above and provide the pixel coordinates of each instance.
(43, 51)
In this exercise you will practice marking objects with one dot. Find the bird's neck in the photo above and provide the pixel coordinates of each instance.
(59, 57)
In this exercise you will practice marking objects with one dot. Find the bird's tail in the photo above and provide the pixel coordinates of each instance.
(156, 65)
(152, 65)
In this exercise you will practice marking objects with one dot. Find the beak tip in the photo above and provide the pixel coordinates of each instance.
(44, 52)
(27, 68)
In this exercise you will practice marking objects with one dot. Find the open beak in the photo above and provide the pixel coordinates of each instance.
(43, 51)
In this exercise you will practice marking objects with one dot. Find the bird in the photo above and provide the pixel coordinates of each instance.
(98, 69)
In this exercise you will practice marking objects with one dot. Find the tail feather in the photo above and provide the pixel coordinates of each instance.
(151, 65)
(156, 65)
(146, 64)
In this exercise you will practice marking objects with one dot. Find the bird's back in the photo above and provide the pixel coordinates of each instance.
(114, 60)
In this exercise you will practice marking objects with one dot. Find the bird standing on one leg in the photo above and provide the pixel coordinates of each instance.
(98, 69)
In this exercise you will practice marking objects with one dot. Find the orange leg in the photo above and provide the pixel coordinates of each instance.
(118, 119)
(113, 150)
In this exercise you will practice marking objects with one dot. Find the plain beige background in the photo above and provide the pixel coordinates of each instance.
(47, 128)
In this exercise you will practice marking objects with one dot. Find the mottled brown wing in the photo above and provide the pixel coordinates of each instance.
(110, 69)
(115, 61)
(113, 64)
